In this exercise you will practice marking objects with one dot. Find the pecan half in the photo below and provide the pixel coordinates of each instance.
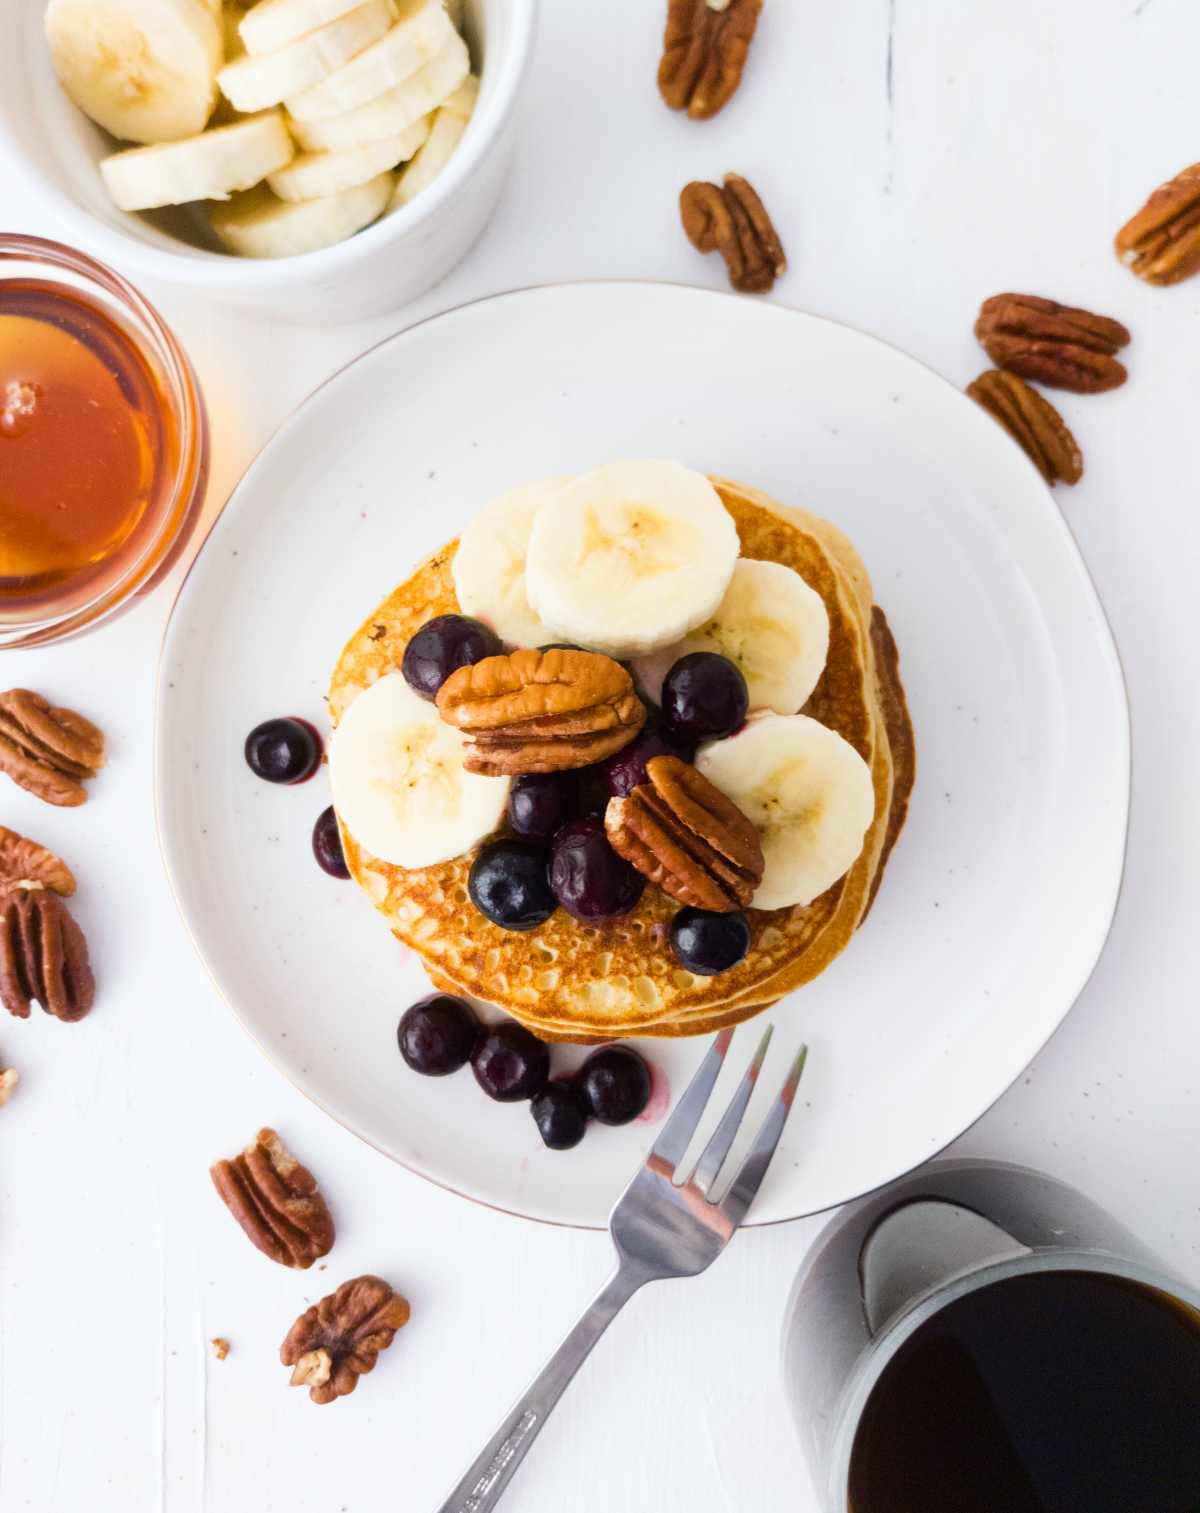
(1052, 343)
(43, 956)
(541, 711)
(339, 1339)
(25, 864)
(1162, 242)
(49, 751)
(682, 833)
(276, 1202)
(732, 220)
(704, 53)
(1032, 422)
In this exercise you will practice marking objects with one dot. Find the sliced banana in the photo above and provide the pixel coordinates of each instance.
(311, 175)
(395, 110)
(145, 70)
(272, 25)
(419, 35)
(211, 166)
(399, 784)
(252, 83)
(807, 791)
(448, 127)
(489, 566)
(774, 627)
(260, 224)
(630, 557)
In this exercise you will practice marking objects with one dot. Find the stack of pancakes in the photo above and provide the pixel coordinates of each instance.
(575, 982)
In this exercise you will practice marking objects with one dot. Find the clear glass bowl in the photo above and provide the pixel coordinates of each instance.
(172, 511)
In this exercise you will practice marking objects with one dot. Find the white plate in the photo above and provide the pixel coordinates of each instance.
(999, 896)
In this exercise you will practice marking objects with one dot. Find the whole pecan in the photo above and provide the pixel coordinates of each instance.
(732, 220)
(682, 833)
(1032, 422)
(339, 1339)
(276, 1202)
(47, 750)
(1162, 242)
(25, 864)
(1055, 344)
(541, 711)
(43, 956)
(704, 53)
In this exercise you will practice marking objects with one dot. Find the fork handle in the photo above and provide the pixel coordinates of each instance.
(484, 1484)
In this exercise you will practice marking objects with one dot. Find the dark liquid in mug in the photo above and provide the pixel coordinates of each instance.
(1062, 1392)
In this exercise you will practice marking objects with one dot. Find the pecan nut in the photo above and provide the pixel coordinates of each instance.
(704, 53)
(682, 833)
(1162, 241)
(25, 864)
(732, 220)
(276, 1202)
(1032, 422)
(339, 1339)
(1054, 344)
(46, 750)
(541, 711)
(43, 956)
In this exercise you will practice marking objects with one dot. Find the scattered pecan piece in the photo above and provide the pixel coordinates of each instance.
(541, 711)
(220, 1347)
(1052, 343)
(339, 1339)
(704, 53)
(1162, 242)
(43, 956)
(682, 833)
(25, 864)
(1032, 422)
(49, 751)
(733, 221)
(8, 1081)
(276, 1202)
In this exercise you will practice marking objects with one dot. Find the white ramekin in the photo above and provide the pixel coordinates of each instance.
(45, 138)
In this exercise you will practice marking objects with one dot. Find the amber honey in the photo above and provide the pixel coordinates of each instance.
(88, 448)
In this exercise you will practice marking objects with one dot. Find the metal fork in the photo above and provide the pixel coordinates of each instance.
(659, 1229)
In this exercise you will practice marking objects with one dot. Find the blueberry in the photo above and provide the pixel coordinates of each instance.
(438, 1034)
(511, 1063)
(287, 750)
(704, 695)
(508, 883)
(442, 646)
(708, 943)
(561, 1115)
(589, 879)
(626, 769)
(540, 802)
(327, 845)
(615, 1083)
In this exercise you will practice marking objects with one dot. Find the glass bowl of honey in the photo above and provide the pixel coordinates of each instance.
(103, 443)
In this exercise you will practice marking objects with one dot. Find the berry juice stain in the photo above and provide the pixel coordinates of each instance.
(86, 445)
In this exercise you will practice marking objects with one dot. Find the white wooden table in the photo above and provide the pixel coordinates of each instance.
(917, 155)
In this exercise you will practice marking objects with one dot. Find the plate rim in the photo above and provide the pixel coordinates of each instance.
(1104, 635)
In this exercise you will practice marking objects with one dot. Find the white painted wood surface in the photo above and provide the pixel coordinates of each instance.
(917, 155)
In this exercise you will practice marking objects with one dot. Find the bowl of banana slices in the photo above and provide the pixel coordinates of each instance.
(316, 160)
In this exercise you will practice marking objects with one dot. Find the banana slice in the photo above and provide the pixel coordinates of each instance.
(419, 35)
(395, 110)
(399, 784)
(489, 566)
(252, 83)
(211, 166)
(312, 175)
(630, 557)
(145, 70)
(807, 791)
(272, 25)
(448, 127)
(260, 224)
(774, 627)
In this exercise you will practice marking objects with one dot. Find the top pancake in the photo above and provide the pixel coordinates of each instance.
(569, 979)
